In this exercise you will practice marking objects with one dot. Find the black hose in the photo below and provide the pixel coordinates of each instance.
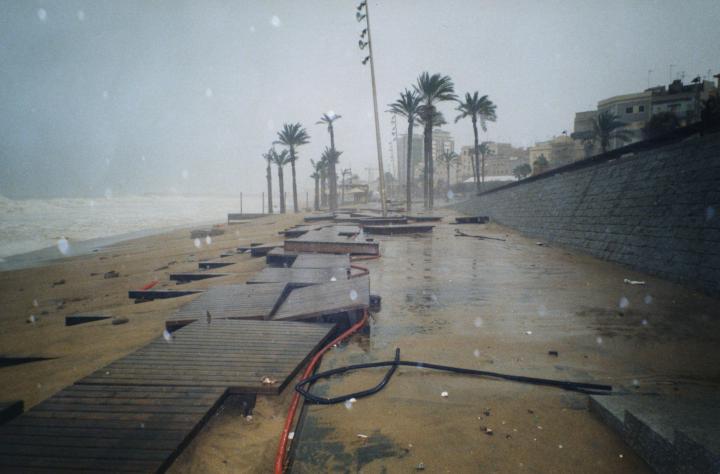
(582, 387)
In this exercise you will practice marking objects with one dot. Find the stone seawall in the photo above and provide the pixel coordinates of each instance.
(655, 210)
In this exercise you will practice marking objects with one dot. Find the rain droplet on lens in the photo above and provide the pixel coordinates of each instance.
(63, 246)
(624, 303)
(648, 299)
(208, 240)
(353, 295)
(197, 243)
(167, 336)
(478, 322)
(275, 21)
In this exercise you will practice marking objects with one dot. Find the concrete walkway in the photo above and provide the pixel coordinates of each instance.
(502, 306)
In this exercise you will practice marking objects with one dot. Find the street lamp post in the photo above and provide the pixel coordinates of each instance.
(378, 140)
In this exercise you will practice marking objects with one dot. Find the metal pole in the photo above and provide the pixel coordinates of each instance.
(307, 200)
(241, 203)
(263, 202)
(377, 119)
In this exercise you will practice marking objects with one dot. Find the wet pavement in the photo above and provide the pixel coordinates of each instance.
(503, 306)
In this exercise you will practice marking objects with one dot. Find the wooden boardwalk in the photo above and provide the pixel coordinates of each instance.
(332, 239)
(149, 295)
(139, 412)
(299, 276)
(321, 260)
(96, 428)
(230, 302)
(187, 277)
(225, 353)
(398, 229)
(325, 299)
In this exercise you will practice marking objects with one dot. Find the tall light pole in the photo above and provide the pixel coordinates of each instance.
(378, 141)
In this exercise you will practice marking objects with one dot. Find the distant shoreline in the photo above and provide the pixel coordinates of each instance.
(49, 255)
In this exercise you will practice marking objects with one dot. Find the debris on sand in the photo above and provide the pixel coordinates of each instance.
(633, 282)
(111, 274)
(58, 283)
(553, 353)
(118, 321)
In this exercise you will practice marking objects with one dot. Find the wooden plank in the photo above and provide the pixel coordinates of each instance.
(472, 220)
(230, 302)
(75, 319)
(299, 276)
(319, 217)
(398, 229)
(224, 353)
(424, 218)
(159, 294)
(336, 247)
(263, 250)
(186, 277)
(321, 260)
(325, 299)
(9, 410)
(62, 434)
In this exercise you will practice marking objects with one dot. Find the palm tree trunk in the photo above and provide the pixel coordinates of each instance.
(294, 184)
(282, 190)
(333, 187)
(448, 176)
(333, 172)
(482, 173)
(408, 167)
(323, 188)
(269, 184)
(427, 155)
(317, 193)
(475, 153)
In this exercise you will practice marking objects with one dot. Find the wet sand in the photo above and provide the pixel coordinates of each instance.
(486, 304)
(502, 306)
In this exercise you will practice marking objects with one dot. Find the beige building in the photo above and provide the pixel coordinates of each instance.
(500, 162)
(559, 151)
(635, 110)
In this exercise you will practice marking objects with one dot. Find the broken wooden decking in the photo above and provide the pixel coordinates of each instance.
(319, 217)
(119, 428)
(190, 276)
(321, 260)
(325, 299)
(299, 276)
(424, 218)
(10, 410)
(148, 295)
(137, 414)
(264, 249)
(75, 319)
(472, 220)
(278, 257)
(398, 229)
(239, 217)
(372, 220)
(230, 302)
(334, 239)
(225, 353)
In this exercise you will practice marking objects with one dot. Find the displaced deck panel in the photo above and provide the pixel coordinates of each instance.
(299, 276)
(278, 257)
(186, 277)
(321, 260)
(398, 229)
(224, 354)
(325, 299)
(230, 302)
(104, 428)
(159, 294)
(334, 246)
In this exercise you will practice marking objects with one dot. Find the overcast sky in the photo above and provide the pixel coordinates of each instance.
(148, 96)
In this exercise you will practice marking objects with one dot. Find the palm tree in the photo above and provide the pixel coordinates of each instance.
(607, 126)
(292, 136)
(323, 181)
(407, 106)
(328, 119)
(437, 120)
(281, 159)
(484, 151)
(331, 158)
(448, 158)
(482, 108)
(316, 175)
(432, 90)
(268, 176)
(521, 171)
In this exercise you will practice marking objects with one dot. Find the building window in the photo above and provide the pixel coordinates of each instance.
(641, 108)
(628, 110)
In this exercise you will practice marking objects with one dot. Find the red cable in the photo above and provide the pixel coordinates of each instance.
(282, 448)
(150, 285)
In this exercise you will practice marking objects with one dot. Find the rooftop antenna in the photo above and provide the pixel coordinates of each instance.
(670, 68)
(649, 74)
